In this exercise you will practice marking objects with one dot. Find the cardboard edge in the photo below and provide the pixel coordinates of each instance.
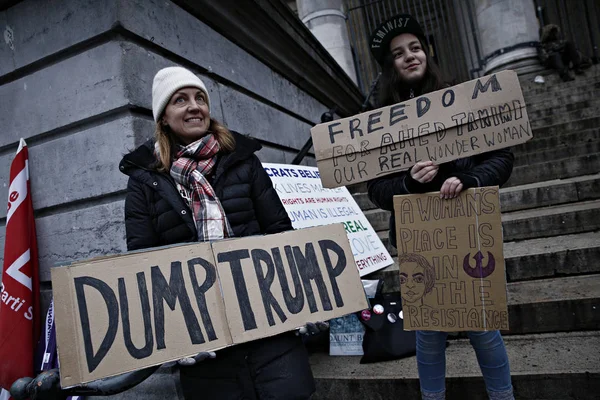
(66, 315)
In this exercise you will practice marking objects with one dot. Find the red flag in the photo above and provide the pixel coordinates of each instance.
(19, 305)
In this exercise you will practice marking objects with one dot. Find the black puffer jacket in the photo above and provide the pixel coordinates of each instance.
(156, 215)
(487, 169)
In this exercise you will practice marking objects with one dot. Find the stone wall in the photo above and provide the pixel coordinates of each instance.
(75, 82)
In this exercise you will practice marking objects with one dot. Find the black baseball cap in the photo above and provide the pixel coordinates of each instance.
(384, 33)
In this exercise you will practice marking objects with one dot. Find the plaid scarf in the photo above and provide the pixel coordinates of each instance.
(191, 166)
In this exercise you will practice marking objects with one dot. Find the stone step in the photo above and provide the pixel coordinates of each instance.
(556, 220)
(542, 141)
(547, 100)
(552, 78)
(549, 193)
(557, 153)
(583, 87)
(581, 84)
(552, 257)
(554, 305)
(539, 194)
(560, 106)
(559, 169)
(560, 118)
(565, 103)
(554, 366)
(538, 306)
(567, 127)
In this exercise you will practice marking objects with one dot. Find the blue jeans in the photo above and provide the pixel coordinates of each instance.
(491, 355)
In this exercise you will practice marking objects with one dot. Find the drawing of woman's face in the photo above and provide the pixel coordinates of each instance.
(412, 282)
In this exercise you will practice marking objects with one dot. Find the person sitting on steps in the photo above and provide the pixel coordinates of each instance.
(558, 54)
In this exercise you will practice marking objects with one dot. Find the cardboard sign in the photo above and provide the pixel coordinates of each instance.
(474, 117)
(450, 253)
(308, 204)
(122, 313)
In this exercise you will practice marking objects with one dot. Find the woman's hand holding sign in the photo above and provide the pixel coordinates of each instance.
(189, 361)
(313, 328)
(451, 188)
(424, 171)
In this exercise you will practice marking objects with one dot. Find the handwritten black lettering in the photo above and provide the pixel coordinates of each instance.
(374, 118)
(112, 306)
(262, 257)
(234, 258)
(170, 293)
(479, 87)
(146, 350)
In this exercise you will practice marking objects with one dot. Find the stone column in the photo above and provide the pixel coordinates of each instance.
(327, 22)
(508, 31)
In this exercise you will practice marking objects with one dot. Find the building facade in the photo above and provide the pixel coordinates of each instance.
(76, 78)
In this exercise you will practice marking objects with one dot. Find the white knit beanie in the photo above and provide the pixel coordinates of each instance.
(169, 80)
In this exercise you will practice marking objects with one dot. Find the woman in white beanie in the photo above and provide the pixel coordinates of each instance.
(198, 181)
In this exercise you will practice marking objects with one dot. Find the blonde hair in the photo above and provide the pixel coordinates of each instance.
(166, 141)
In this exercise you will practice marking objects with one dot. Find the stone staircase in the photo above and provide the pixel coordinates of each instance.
(551, 222)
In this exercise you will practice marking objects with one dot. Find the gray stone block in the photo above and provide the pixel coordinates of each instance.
(272, 155)
(84, 164)
(139, 66)
(195, 41)
(236, 109)
(553, 264)
(78, 234)
(42, 28)
(247, 115)
(86, 85)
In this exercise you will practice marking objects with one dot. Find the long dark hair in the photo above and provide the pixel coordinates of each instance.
(392, 89)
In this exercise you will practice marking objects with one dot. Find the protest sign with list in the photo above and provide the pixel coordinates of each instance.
(308, 204)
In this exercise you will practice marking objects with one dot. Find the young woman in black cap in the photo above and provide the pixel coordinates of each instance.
(408, 71)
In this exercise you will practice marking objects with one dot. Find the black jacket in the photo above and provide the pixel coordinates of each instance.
(156, 215)
(486, 169)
